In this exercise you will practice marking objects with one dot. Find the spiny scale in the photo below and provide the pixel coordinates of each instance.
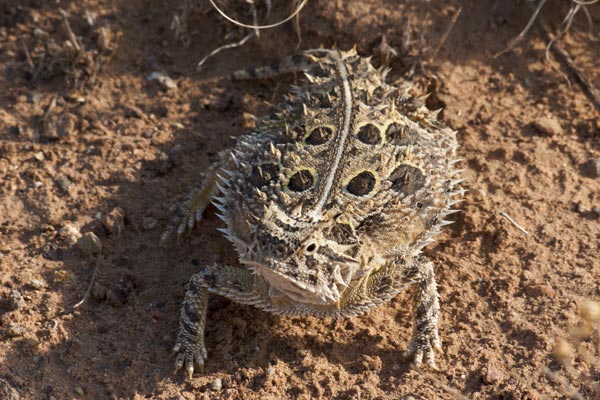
(328, 202)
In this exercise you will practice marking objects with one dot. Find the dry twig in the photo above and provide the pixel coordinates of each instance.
(561, 55)
(90, 286)
(565, 60)
(521, 35)
(72, 37)
(512, 221)
(446, 34)
(299, 8)
(255, 26)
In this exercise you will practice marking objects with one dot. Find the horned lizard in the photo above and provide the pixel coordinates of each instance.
(328, 203)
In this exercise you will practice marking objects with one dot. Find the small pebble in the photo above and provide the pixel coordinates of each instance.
(148, 133)
(217, 384)
(89, 243)
(15, 300)
(580, 208)
(165, 81)
(37, 284)
(548, 125)
(69, 234)
(79, 390)
(64, 184)
(493, 375)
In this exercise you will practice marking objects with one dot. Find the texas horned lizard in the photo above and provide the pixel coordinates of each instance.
(328, 203)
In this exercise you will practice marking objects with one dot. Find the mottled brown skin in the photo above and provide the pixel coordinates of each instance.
(328, 203)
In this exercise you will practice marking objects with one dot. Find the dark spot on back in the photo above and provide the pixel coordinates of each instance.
(301, 181)
(398, 134)
(362, 184)
(263, 174)
(319, 136)
(407, 179)
(369, 134)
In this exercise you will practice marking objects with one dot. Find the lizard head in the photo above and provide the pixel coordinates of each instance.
(303, 259)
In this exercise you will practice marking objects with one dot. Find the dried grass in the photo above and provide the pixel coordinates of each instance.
(561, 56)
(78, 59)
(260, 13)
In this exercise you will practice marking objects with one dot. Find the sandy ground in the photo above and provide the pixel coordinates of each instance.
(89, 144)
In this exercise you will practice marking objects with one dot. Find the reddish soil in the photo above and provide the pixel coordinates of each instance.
(89, 144)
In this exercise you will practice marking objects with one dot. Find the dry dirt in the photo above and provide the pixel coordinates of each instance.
(89, 144)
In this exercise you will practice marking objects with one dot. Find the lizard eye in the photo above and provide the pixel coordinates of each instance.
(310, 249)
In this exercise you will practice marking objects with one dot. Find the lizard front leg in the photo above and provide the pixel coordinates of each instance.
(235, 283)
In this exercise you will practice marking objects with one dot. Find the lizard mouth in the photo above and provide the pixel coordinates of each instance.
(319, 293)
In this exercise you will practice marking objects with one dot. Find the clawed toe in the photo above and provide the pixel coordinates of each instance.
(190, 357)
(423, 350)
